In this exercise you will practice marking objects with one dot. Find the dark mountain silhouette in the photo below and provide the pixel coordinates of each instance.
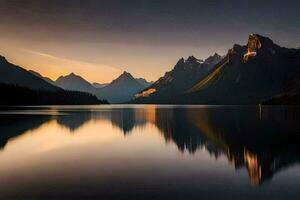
(249, 75)
(42, 77)
(175, 82)
(99, 85)
(22, 87)
(16, 95)
(121, 89)
(15, 75)
(74, 82)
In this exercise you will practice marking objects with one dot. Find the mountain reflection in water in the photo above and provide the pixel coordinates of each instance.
(262, 140)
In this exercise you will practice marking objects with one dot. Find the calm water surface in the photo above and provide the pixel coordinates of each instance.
(149, 152)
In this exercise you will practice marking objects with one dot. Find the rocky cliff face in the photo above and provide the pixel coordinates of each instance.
(253, 46)
(258, 44)
(185, 74)
(248, 74)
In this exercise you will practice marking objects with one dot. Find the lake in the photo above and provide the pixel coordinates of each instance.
(150, 152)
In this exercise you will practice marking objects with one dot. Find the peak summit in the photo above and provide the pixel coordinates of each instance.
(126, 73)
(125, 76)
(124, 80)
(191, 59)
(257, 43)
(216, 55)
(3, 59)
(213, 59)
(180, 61)
(264, 41)
(71, 76)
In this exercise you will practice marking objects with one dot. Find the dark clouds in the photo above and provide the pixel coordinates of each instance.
(145, 37)
(180, 22)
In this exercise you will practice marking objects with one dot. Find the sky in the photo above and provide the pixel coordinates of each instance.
(99, 39)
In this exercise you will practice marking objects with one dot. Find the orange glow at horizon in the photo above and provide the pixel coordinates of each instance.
(52, 66)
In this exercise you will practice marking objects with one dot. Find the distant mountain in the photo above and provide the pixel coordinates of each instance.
(249, 75)
(121, 89)
(42, 77)
(144, 82)
(74, 82)
(21, 87)
(15, 75)
(183, 76)
(99, 85)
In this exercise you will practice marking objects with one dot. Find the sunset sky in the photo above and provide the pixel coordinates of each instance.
(102, 38)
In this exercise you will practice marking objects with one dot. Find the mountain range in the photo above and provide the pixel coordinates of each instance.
(15, 75)
(247, 74)
(256, 73)
(183, 76)
(22, 87)
(119, 90)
